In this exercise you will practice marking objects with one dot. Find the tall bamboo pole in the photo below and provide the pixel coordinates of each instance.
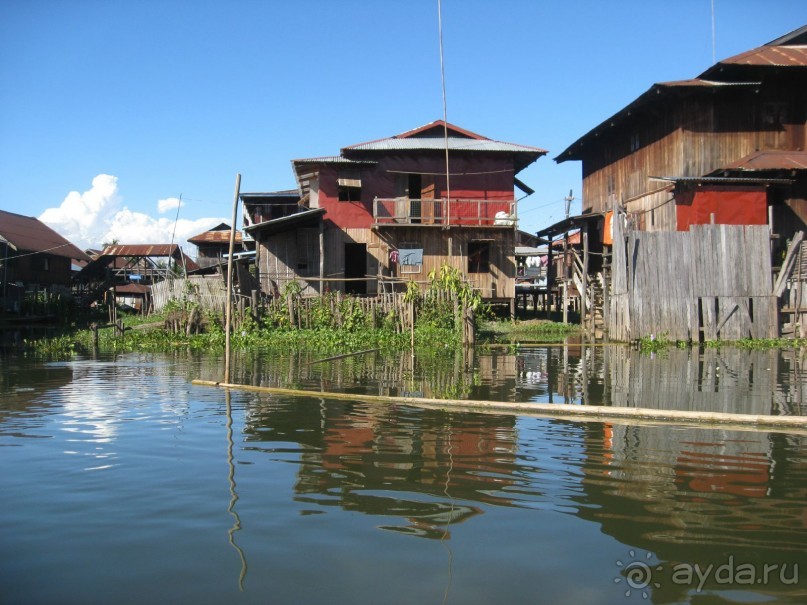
(229, 313)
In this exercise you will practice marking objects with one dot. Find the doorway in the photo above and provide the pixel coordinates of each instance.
(355, 267)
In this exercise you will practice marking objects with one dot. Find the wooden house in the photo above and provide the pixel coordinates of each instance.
(33, 257)
(213, 245)
(392, 210)
(723, 147)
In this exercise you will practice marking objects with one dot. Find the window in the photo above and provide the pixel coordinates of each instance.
(349, 185)
(634, 142)
(410, 257)
(478, 257)
(307, 252)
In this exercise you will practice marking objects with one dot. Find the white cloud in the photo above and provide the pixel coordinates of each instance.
(97, 216)
(167, 204)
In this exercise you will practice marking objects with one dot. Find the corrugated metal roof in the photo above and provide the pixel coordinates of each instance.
(215, 237)
(439, 144)
(270, 194)
(132, 289)
(734, 180)
(530, 251)
(277, 224)
(29, 234)
(331, 159)
(770, 160)
(778, 56)
(155, 250)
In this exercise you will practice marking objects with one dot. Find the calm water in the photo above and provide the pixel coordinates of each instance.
(124, 483)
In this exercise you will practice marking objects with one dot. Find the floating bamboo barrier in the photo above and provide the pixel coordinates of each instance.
(557, 410)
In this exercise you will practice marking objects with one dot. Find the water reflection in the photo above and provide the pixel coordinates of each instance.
(390, 462)
(705, 496)
(718, 380)
(514, 505)
(680, 496)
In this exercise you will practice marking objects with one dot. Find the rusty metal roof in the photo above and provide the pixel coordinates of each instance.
(111, 253)
(155, 250)
(780, 56)
(29, 234)
(770, 160)
(132, 289)
(215, 237)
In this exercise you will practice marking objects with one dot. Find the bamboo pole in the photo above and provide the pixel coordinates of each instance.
(229, 315)
(593, 413)
(343, 356)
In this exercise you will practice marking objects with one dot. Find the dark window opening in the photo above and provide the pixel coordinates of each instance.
(349, 194)
(349, 183)
(478, 257)
(414, 196)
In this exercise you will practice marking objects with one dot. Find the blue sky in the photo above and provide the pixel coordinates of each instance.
(109, 111)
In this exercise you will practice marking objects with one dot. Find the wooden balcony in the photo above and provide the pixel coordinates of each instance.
(407, 212)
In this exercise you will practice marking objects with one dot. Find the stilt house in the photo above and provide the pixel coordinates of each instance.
(718, 159)
(392, 210)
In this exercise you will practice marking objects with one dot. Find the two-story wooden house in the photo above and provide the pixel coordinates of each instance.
(391, 210)
(726, 147)
(214, 244)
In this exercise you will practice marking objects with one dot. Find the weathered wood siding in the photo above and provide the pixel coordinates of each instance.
(688, 135)
(289, 256)
(711, 282)
(280, 255)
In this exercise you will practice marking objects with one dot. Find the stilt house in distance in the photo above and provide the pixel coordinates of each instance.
(386, 211)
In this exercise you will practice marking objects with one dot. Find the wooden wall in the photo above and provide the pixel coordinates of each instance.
(279, 255)
(688, 134)
(711, 282)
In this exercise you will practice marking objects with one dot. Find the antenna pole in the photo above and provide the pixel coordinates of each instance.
(568, 199)
(445, 110)
(714, 37)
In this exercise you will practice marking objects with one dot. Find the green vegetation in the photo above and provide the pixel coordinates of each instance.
(329, 324)
(532, 331)
(654, 344)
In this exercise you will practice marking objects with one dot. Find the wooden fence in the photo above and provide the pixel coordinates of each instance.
(209, 293)
(711, 282)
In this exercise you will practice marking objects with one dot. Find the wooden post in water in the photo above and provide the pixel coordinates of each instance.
(229, 314)
(585, 308)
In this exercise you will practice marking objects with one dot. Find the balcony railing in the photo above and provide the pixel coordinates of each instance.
(403, 211)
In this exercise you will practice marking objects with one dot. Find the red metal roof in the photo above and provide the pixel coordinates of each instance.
(770, 160)
(29, 234)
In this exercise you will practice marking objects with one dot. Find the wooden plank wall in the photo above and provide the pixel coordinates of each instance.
(712, 282)
(618, 316)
